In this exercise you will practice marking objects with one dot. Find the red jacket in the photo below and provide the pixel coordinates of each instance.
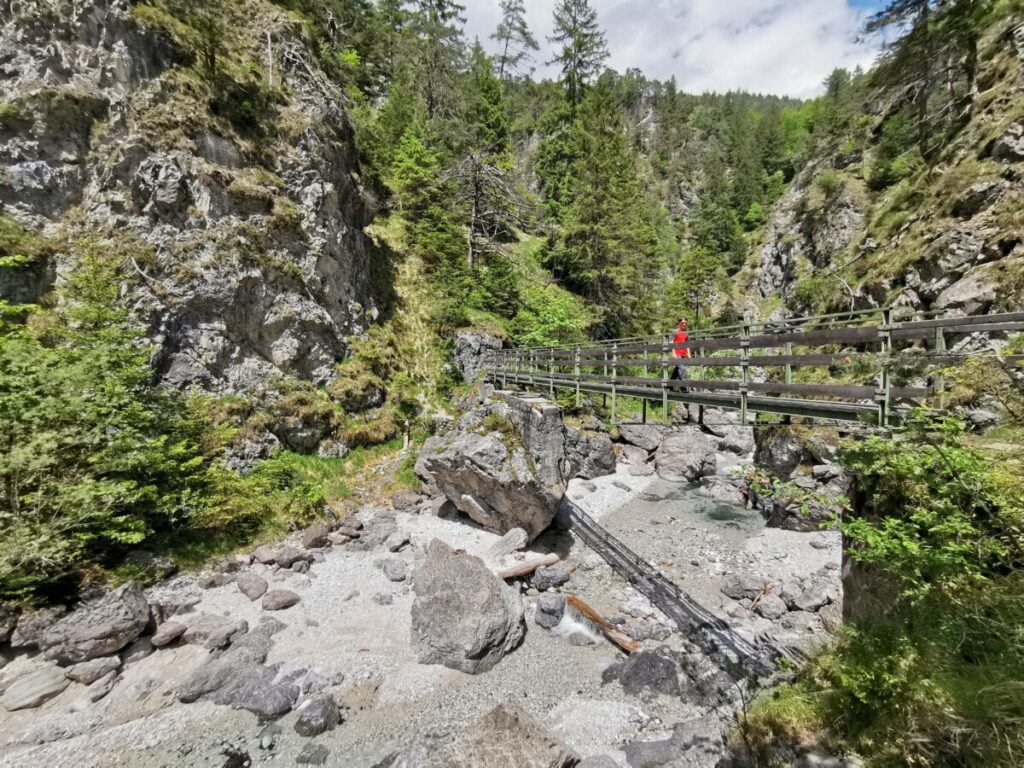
(681, 338)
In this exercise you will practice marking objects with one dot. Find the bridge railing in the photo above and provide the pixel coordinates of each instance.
(750, 367)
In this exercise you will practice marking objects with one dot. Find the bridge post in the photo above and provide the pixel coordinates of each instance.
(701, 376)
(787, 419)
(551, 372)
(604, 395)
(940, 379)
(615, 373)
(744, 366)
(664, 379)
(883, 395)
(576, 373)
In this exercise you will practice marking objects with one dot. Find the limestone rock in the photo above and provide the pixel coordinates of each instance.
(685, 457)
(88, 672)
(506, 737)
(743, 585)
(471, 350)
(463, 616)
(316, 535)
(645, 436)
(35, 688)
(590, 454)
(167, 633)
(138, 650)
(279, 599)
(99, 628)
(977, 197)
(251, 585)
(406, 501)
(494, 483)
(648, 672)
(31, 625)
(286, 557)
(396, 541)
(395, 569)
(1010, 146)
(102, 687)
(212, 631)
(771, 606)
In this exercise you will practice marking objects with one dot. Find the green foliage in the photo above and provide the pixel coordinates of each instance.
(933, 677)
(893, 159)
(584, 47)
(945, 522)
(93, 459)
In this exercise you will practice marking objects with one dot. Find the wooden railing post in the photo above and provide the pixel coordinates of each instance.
(787, 419)
(664, 379)
(551, 372)
(576, 373)
(615, 373)
(701, 376)
(884, 389)
(604, 379)
(744, 366)
(940, 379)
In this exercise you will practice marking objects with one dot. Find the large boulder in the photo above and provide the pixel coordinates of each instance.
(492, 479)
(646, 436)
(685, 457)
(99, 628)
(471, 350)
(506, 737)
(780, 451)
(463, 617)
(590, 454)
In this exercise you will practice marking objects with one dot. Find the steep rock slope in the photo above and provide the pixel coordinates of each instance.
(946, 237)
(229, 191)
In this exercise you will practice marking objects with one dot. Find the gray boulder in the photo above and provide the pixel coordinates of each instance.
(492, 480)
(316, 715)
(35, 688)
(99, 628)
(590, 454)
(977, 198)
(550, 608)
(771, 606)
(88, 672)
(279, 599)
(406, 501)
(685, 457)
(780, 451)
(506, 737)
(550, 576)
(646, 436)
(647, 672)
(463, 616)
(167, 633)
(286, 557)
(251, 585)
(101, 687)
(743, 585)
(395, 569)
(316, 535)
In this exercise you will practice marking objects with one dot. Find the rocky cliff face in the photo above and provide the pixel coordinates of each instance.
(231, 199)
(945, 237)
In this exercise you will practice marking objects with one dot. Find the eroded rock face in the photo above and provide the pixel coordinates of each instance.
(491, 481)
(258, 265)
(590, 454)
(100, 628)
(506, 737)
(463, 616)
(471, 350)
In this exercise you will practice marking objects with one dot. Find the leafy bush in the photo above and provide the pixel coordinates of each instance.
(935, 677)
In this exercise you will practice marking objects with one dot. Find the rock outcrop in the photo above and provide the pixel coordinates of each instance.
(471, 350)
(243, 263)
(685, 457)
(100, 628)
(463, 616)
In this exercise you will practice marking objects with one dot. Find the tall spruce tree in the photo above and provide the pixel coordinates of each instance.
(584, 48)
(437, 25)
(515, 41)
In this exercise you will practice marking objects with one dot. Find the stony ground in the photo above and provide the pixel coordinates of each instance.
(352, 629)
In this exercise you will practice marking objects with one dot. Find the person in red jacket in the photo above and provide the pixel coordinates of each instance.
(681, 337)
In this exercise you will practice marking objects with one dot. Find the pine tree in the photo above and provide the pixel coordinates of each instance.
(584, 48)
(515, 41)
(437, 25)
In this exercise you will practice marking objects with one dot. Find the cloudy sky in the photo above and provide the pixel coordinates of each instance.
(772, 46)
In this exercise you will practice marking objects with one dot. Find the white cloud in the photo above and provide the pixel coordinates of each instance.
(772, 46)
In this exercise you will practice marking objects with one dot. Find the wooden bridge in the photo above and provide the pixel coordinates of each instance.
(755, 367)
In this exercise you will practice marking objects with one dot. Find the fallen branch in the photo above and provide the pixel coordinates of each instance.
(529, 566)
(619, 638)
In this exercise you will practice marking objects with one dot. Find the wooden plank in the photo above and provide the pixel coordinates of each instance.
(820, 390)
(775, 361)
(954, 323)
